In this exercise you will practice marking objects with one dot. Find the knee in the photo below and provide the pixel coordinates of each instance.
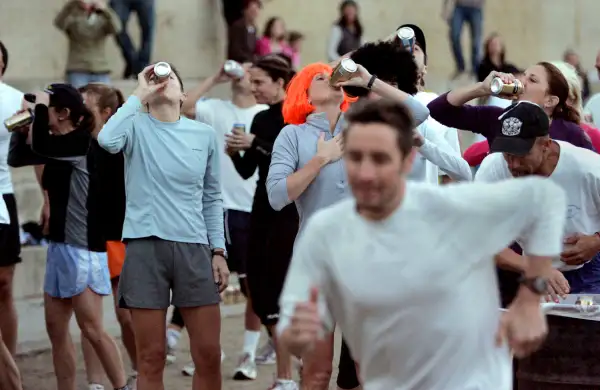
(92, 331)
(207, 355)
(316, 373)
(151, 360)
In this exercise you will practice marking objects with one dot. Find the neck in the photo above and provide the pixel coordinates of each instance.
(249, 21)
(388, 209)
(243, 100)
(165, 112)
(64, 129)
(496, 59)
(332, 111)
(551, 160)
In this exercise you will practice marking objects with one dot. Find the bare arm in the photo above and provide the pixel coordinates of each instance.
(419, 111)
(189, 105)
(511, 261)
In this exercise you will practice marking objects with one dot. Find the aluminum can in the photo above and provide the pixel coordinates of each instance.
(20, 119)
(234, 69)
(162, 70)
(343, 71)
(501, 89)
(406, 38)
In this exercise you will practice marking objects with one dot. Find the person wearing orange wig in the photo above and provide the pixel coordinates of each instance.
(306, 169)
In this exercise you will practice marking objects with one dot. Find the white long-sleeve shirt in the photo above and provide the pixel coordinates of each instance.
(416, 295)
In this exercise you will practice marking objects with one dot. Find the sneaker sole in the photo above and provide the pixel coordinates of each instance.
(266, 363)
(240, 376)
(187, 373)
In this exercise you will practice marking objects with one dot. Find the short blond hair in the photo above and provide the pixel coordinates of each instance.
(575, 91)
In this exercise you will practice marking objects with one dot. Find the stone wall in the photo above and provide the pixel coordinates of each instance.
(190, 32)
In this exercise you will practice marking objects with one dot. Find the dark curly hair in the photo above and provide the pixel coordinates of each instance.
(390, 63)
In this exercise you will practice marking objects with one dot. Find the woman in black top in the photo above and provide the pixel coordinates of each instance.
(494, 58)
(103, 101)
(76, 270)
(272, 233)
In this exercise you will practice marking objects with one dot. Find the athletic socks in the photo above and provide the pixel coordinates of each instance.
(251, 340)
(173, 337)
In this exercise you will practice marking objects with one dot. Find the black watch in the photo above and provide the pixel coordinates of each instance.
(537, 284)
(219, 252)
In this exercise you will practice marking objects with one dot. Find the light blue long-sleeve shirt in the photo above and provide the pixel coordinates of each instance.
(171, 176)
(296, 145)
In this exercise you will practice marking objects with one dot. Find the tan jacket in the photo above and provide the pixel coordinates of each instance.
(87, 34)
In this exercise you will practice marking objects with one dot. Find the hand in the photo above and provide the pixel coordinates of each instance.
(239, 141)
(418, 139)
(487, 83)
(220, 272)
(42, 97)
(583, 248)
(145, 89)
(360, 78)
(221, 77)
(45, 218)
(330, 150)
(305, 325)
(558, 286)
(523, 326)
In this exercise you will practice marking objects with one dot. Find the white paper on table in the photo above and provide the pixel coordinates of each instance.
(569, 307)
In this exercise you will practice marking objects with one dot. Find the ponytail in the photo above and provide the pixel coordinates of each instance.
(566, 112)
(120, 98)
(86, 120)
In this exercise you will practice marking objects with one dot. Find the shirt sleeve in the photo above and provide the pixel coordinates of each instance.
(308, 269)
(477, 119)
(437, 150)
(284, 162)
(20, 153)
(529, 210)
(419, 111)
(335, 37)
(212, 200)
(116, 135)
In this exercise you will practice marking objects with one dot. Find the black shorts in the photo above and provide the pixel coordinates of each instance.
(10, 237)
(237, 232)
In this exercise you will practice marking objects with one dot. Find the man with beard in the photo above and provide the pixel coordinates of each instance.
(415, 315)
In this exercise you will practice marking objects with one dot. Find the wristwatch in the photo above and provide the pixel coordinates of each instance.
(219, 252)
(536, 284)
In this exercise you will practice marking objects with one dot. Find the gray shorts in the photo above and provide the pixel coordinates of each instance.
(154, 267)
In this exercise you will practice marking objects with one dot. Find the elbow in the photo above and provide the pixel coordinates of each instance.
(278, 197)
(14, 161)
(421, 115)
(107, 144)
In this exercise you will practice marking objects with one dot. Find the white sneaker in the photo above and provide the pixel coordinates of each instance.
(246, 369)
(284, 385)
(132, 382)
(189, 369)
(95, 386)
(170, 358)
(266, 355)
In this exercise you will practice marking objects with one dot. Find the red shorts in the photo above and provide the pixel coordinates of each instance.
(115, 251)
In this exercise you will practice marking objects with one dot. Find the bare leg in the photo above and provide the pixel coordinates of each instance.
(8, 319)
(149, 328)
(204, 328)
(93, 365)
(10, 379)
(284, 358)
(126, 324)
(317, 368)
(58, 314)
(88, 312)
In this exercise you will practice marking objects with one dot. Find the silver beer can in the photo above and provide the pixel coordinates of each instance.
(162, 70)
(501, 89)
(406, 37)
(343, 71)
(234, 69)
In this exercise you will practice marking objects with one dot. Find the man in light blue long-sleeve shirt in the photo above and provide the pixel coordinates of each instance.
(173, 226)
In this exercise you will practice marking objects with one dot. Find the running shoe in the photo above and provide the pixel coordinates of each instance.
(266, 355)
(189, 369)
(284, 385)
(246, 369)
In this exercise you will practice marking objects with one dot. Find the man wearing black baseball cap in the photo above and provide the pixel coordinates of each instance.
(527, 149)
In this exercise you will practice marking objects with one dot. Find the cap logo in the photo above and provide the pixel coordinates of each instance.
(511, 127)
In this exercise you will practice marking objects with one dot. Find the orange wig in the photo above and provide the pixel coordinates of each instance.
(296, 106)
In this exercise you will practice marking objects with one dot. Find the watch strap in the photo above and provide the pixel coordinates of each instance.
(371, 82)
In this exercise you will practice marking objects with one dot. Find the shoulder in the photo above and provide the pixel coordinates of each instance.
(289, 131)
(195, 126)
(580, 159)
(493, 168)
(210, 103)
(425, 97)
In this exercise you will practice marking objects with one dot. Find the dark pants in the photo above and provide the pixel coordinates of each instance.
(473, 16)
(135, 60)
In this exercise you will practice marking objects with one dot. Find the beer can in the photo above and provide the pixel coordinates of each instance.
(233, 69)
(343, 71)
(162, 70)
(406, 37)
(20, 119)
(238, 128)
(502, 89)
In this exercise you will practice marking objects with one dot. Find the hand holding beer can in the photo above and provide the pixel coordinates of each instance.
(506, 90)
(160, 72)
(344, 71)
(234, 69)
(19, 120)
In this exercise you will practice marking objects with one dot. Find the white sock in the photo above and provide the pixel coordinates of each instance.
(251, 340)
(173, 337)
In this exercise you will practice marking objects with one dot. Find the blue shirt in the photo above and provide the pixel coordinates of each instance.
(171, 176)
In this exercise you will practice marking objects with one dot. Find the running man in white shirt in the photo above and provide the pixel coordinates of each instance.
(415, 315)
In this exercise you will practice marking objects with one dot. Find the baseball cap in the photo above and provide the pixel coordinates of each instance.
(475, 153)
(63, 96)
(419, 36)
(520, 125)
